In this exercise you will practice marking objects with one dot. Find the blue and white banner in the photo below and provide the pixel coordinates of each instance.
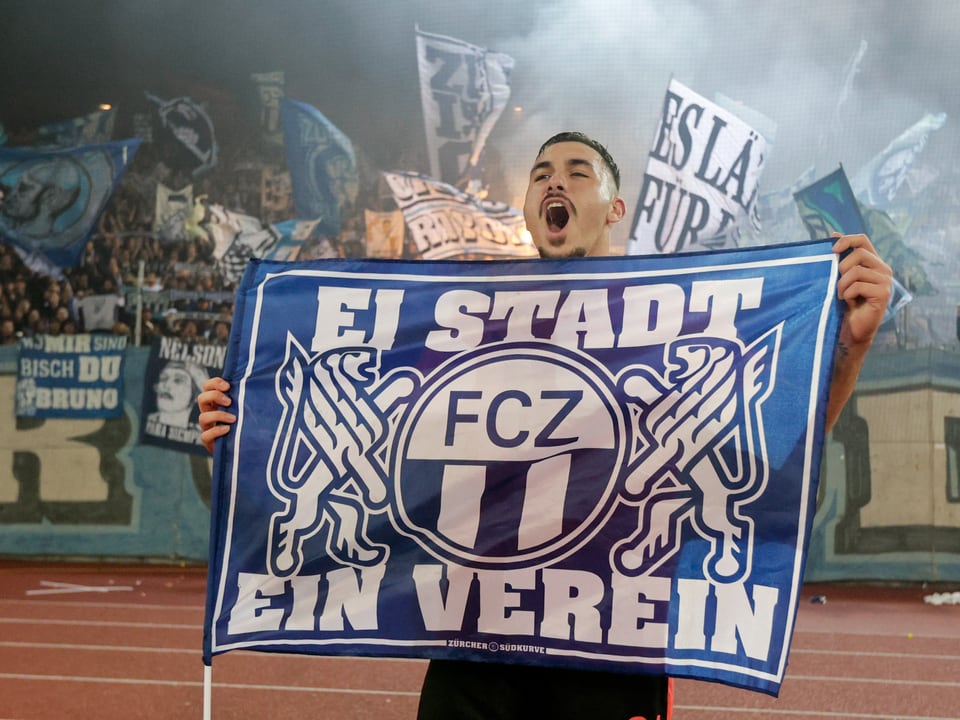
(463, 90)
(52, 199)
(71, 376)
(601, 463)
(322, 164)
(176, 371)
(702, 177)
(446, 223)
(294, 235)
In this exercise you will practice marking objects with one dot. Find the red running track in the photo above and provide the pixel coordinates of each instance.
(122, 641)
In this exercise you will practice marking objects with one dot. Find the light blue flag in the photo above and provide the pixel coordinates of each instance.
(323, 168)
(52, 199)
(877, 182)
(91, 129)
(293, 234)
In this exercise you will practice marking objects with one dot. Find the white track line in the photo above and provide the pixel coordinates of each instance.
(190, 683)
(100, 623)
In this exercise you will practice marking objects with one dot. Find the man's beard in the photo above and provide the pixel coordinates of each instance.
(545, 254)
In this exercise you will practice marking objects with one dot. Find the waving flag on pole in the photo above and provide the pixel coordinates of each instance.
(877, 182)
(605, 463)
(323, 168)
(52, 199)
(92, 129)
(192, 128)
(294, 235)
(447, 223)
(702, 177)
(829, 205)
(464, 89)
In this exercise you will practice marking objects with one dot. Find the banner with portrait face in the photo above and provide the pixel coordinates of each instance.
(600, 463)
(52, 199)
(176, 371)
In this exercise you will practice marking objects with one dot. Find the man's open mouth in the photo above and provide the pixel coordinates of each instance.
(557, 216)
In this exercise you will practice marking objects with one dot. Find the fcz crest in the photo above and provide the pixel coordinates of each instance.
(514, 454)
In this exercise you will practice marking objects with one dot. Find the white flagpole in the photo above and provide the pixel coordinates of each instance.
(207, 686)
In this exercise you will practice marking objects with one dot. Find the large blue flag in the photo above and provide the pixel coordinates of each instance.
(599, 463)
(52, 199)
(323, 168)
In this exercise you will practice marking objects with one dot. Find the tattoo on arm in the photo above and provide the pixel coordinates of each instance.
(842, 353)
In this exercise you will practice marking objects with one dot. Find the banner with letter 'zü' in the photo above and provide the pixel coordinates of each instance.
(604, 463)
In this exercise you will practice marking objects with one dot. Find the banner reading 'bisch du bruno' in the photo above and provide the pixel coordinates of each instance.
(600, 463)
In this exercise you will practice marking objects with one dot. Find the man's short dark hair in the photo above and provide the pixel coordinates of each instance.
(574, 136)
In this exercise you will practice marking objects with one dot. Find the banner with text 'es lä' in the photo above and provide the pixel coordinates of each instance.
(600, 463)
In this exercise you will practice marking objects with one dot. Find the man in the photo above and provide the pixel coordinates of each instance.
(571, 205)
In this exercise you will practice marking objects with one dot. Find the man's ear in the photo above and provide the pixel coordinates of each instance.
(618, 208)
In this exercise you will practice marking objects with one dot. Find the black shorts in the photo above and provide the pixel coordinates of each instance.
(454, 690)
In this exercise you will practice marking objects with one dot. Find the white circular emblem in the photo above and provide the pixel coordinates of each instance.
(510, 455)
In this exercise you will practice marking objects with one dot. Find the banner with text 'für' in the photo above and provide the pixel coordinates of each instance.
(702, 177)
(598, 463)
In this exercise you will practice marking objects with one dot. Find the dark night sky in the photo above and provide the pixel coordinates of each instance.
(597, 65)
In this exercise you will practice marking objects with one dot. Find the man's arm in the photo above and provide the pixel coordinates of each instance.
(865, 284)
